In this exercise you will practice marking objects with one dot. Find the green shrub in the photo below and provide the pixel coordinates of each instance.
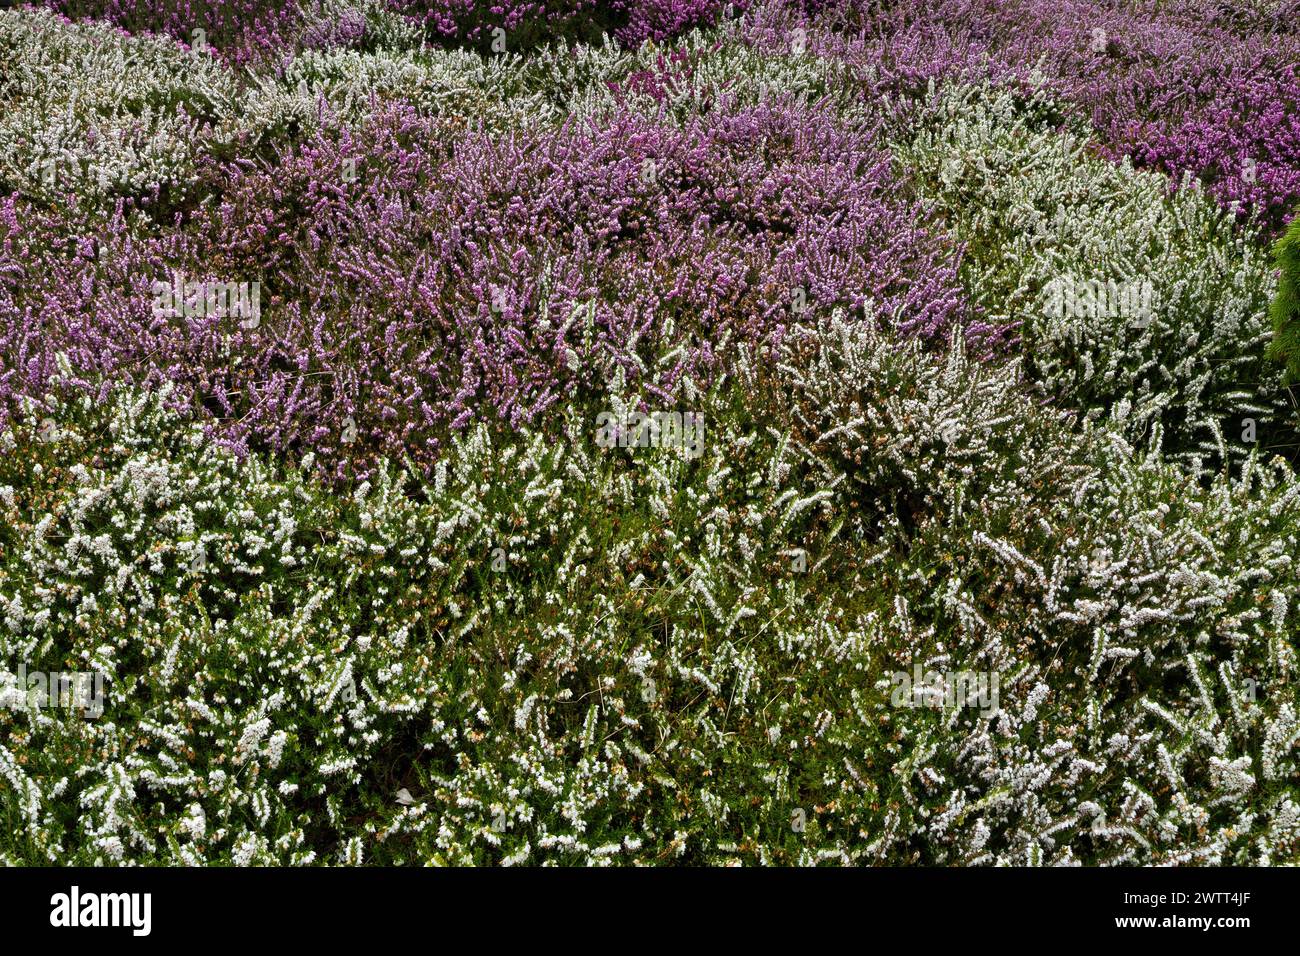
(1285, 309)
(552, 652)
(1036, 209)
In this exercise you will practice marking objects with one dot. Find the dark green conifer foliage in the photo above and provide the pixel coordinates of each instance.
(1285, 310)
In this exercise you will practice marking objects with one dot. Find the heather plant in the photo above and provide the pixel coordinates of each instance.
(723, 69)
(660, 20)
(1033, 208)
(499, 92)
(1182, 94)
(555, 249)
(156, 479)
(519, 25)
(351, 84)
(1110, 551)
(1179, 88)
(238, 31)
(168, 553)
(85, 109)
(58, 268)
(511, 26)
(705, 70)
(353, 186)
(553, 652)
(894, 50)
(668, 432)
(355, 25)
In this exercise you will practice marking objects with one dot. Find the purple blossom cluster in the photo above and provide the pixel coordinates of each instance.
(631, 21)
(241, 31)
(1177, 92)
(472, 20)
(419, 272)
(661, 20)
(459, 275)
(1187, 88)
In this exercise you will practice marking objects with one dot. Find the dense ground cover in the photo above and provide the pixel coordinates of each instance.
(640, 416)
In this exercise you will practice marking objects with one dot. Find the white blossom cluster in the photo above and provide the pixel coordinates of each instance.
(549, 652)
(1034, 206)
(547, 87)
(89, 109)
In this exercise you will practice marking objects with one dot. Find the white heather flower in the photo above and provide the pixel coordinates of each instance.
(195, 821)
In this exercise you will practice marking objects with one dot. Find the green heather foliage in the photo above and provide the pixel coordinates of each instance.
(1285, 309)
